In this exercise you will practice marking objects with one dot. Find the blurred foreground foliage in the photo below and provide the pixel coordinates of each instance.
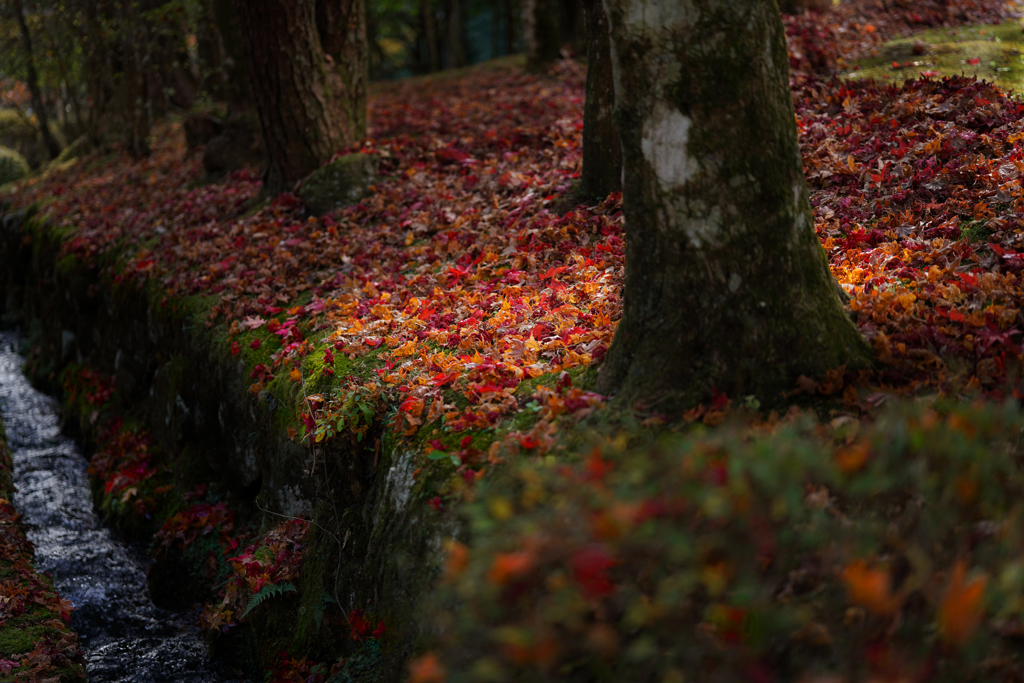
(796, 551)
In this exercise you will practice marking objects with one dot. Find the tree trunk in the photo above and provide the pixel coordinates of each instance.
(456, 41)
(430, 34)
(306, 107)
(495, 32)
(341, 25)
(97, 68)
(602, 153)
(33, 83)
(509, 14)
(541, 33)
(135, 103)
(727, 287)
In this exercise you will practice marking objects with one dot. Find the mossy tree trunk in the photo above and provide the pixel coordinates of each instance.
(341, 25)
(541, 33)
(602, 153)
(727, 287)
(309, 105)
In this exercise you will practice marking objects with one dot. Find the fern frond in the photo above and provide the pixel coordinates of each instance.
(320, 606)
(268, 591)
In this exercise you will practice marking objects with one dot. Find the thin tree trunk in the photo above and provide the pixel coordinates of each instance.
(33, 83)
(456, 41)
(306, 106)
(541, 33)
(727, 287)
(602, 153)
(509, 15)
(135, 104)
(430, 34)
(96, 62)
(495, 32)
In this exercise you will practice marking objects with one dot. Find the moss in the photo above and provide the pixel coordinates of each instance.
(951, 52)
(316, 596)
(975, 231)
(20, 635)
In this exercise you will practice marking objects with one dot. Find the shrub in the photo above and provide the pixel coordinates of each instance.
(881, 552)
(12, 166)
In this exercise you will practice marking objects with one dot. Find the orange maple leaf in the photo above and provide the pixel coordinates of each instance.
(871, 588)
(961, 609)
(852, 457)
(508, 566)
(458, 558)
(427, 669)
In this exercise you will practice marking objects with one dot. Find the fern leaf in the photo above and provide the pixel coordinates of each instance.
(321, 605)
(267, 592)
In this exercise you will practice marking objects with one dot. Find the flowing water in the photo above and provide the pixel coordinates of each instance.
(125, 636)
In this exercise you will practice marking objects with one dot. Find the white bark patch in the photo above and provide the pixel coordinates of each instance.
(656, 15)
(666, 134)
(702, 226)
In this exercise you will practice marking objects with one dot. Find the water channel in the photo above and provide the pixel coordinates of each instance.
(125, 636)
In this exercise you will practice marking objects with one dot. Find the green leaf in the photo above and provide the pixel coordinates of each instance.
(437, 455)
(268, 591)
(320, 606)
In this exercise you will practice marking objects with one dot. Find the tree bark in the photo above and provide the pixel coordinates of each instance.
(541, 33)
(727, 287)
(602, 152)
(456, 40)
(97, 68)
(33, 83)
(430, 34)
(308, 108)
(341, 25)
(509, 15)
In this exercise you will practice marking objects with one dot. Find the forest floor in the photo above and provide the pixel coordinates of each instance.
(455, 304)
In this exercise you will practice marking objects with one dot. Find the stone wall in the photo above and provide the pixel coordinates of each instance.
(193, 395)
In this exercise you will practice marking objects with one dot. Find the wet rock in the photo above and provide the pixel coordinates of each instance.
(339, 183)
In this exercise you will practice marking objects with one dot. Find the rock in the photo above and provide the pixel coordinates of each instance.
(12, 166)
(21, 133)
(339, 183)
(200, 128)
(239, 145)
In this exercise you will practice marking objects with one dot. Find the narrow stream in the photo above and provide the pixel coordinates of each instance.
(126, 637)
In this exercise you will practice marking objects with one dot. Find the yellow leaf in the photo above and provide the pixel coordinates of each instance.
(406, 349)
(295, 375)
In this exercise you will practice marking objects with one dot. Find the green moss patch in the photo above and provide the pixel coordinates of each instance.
(994, 53)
